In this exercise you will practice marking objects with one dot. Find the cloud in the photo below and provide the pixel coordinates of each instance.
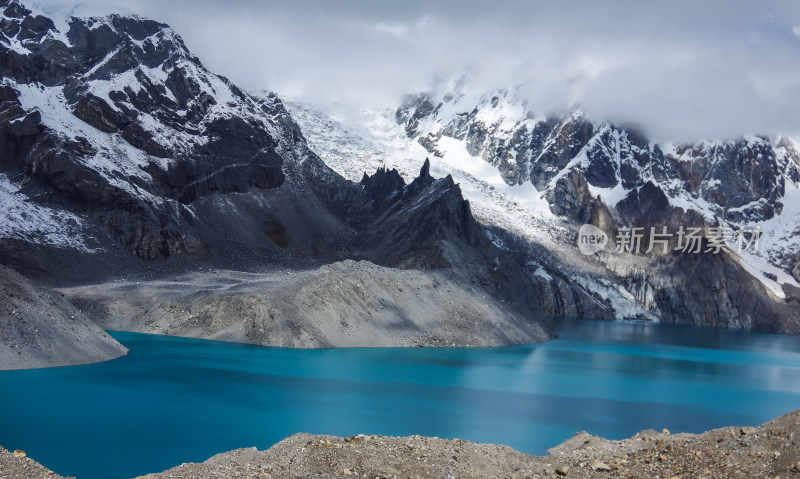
(398, 30)
(683, 70)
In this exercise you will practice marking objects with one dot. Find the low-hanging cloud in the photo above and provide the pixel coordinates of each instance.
(681, 70)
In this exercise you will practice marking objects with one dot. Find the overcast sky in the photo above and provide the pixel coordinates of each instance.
(681, 69)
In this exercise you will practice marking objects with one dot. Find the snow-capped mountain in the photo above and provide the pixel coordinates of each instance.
(737, 181)
(122, 156)
(133, 120)
(745, 184)
(539, 178)
(120, 153)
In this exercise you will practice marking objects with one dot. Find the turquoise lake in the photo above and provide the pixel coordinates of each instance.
(174, 400)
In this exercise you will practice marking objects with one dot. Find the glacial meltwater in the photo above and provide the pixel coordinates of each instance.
(174, 400)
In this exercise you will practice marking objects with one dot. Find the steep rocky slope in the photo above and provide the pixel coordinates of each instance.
(39, 328)
(116, 122)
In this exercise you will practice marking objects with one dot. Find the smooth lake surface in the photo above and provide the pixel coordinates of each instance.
(174, 400)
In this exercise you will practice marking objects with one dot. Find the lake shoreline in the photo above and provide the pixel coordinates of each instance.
(182, 400)
(342, 304)
(772, 449)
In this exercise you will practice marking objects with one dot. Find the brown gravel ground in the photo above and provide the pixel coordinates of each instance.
(769, 451)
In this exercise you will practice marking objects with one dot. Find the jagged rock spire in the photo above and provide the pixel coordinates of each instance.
(425, 171)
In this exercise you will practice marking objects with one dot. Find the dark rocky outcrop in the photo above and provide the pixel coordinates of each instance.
(720, 293)
(412, 222)
(571, 197)
(561, 297)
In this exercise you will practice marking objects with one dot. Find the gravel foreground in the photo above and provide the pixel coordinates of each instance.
(769, 451)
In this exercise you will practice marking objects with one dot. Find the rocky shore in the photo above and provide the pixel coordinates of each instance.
(769, 451)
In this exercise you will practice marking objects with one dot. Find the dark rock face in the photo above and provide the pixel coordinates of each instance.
(412, 221)
(563, 143)
(746, 171)
(97, 113)
(555, 293)
(721, 293)
(602, 155)
(382, 189)
(571, 197)
(642, 204)
(562, 298)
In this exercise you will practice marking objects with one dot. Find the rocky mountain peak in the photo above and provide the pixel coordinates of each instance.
(140, 122)
(425, 171)
(422, 181)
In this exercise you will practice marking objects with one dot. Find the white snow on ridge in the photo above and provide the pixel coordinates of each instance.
(162, 134)
(60, 21)
(15, 45)
(758, 267)
(115, 157)
(780, 239)
(783, 230)
(25, 220)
